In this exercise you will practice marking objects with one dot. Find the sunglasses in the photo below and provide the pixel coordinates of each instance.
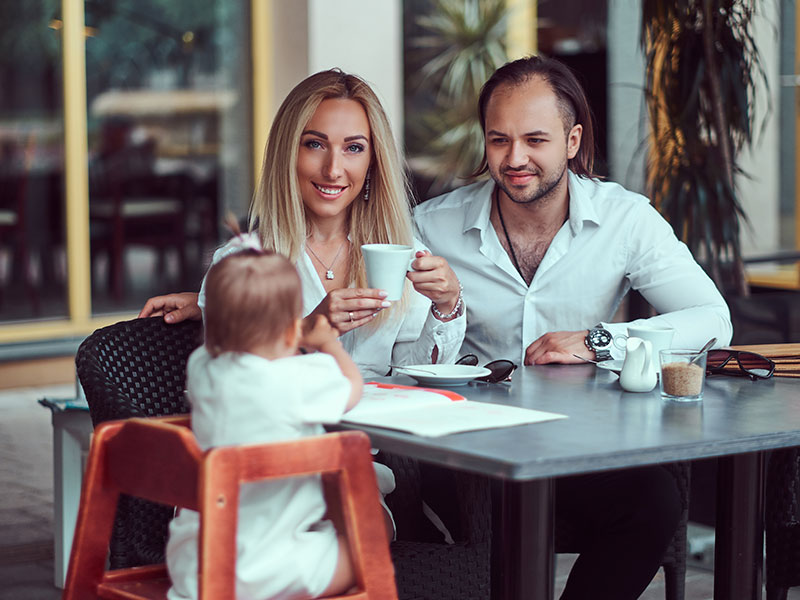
(501, 370)
(750, 364)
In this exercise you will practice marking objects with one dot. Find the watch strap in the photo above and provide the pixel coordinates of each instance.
(601, 355)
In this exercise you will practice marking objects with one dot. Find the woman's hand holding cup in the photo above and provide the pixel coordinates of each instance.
(348, 308)
(433, 277)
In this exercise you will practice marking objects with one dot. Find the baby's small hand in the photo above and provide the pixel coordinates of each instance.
(317, 331)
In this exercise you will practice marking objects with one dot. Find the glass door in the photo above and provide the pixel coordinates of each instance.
(33, 274)
(168, 108)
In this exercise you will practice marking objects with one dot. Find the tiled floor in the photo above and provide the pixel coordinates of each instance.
(26, 500)
(26, 506)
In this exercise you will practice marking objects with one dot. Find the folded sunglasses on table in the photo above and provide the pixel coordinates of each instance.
(752, 365)
(501, 370)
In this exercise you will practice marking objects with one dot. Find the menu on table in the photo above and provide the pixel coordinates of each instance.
(432, 412)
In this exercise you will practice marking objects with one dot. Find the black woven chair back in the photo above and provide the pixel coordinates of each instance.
(567, 537)
(137, 369)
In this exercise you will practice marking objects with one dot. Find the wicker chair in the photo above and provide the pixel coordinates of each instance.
(426, 570)
(137, 369)
(674, 561)
(782, 522)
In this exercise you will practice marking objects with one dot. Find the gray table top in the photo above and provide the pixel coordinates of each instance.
(608, 428)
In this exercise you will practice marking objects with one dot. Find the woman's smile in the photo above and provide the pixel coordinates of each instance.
(330, 191)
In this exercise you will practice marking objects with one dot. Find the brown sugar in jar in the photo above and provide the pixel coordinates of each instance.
(682, 379)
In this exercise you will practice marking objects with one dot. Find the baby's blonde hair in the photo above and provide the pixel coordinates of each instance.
(252, 298)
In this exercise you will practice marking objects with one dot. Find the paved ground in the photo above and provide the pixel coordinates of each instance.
(26, 507)
(26, 499)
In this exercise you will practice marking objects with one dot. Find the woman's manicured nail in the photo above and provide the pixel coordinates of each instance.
(385, 304)
(383, 294)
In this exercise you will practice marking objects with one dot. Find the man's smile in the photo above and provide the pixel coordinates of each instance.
(520, 177)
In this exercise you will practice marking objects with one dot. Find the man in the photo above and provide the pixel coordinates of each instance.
(545, 254)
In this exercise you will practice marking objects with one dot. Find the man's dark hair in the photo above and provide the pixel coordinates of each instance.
(572, 103)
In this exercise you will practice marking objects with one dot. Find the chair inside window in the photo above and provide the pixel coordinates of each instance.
(131, 457)
(132, 205)
(14, 177)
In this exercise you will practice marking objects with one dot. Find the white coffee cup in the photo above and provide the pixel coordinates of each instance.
(659, 337)
(387, 265)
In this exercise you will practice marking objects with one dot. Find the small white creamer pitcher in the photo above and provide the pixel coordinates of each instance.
(638, 371)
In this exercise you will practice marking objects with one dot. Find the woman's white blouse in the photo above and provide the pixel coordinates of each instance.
(404, 338)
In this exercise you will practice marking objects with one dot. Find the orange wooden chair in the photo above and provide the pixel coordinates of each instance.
(128, 457)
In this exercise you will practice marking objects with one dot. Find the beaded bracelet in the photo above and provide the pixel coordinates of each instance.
(455, 311)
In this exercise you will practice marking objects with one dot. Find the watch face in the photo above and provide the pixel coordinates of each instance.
(599, 338)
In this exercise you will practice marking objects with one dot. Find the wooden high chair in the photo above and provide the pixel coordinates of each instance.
(127, 457)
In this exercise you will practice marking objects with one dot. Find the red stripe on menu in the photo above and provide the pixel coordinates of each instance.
(452, 395)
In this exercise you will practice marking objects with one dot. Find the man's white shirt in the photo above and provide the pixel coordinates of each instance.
(612, 240)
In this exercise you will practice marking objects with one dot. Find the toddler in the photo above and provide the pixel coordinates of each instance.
(248, 385)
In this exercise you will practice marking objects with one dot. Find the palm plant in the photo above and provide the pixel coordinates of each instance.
(703, 68)
(462, 43)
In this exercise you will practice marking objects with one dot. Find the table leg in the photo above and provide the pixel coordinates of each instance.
(739, 546)
(522, 540)
(71, 434)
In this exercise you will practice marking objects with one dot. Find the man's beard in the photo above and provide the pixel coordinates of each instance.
(544, 189)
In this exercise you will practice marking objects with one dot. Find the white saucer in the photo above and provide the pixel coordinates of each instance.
(611, 365)
(445, 375)
(615, 366)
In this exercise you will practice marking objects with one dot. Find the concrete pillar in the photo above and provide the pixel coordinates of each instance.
(627, 114)
(363, 37)
(759, 194)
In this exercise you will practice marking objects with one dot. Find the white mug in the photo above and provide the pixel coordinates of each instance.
(387, 265)
(659, 337)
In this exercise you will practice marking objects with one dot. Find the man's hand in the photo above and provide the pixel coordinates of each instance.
(173, 307)
(558, 347)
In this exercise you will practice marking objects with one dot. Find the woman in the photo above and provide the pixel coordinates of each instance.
(332, 181)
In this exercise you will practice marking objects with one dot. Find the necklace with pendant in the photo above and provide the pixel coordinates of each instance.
(505, 231)
(328, 269)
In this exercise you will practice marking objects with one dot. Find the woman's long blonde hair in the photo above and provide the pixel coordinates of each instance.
(277, 209)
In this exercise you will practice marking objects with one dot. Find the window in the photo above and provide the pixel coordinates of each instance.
(116, 195)
(32, 234)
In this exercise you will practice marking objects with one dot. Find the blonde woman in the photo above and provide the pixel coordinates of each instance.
(331, 181)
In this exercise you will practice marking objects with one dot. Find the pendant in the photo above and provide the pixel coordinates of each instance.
(329, 274)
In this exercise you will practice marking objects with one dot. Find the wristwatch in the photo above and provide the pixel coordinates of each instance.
(599, 340)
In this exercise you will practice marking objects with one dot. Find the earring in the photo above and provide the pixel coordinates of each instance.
(366, 189)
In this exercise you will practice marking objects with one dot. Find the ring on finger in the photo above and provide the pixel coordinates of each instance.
(351, 316)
